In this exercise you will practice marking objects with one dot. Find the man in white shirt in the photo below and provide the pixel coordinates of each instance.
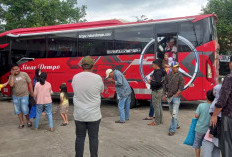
(87, 88)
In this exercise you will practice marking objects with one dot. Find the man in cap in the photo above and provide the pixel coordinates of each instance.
(123, 91)
(173, 86)
(156, 82)
(224, 105)
(87, 88)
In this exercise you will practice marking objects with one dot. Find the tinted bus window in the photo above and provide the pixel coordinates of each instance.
(132, 40)
(18, 49)
(36, 47)
(166, 28)
(208, 30)
(62, 45)
(3, 40)
(95, 43)
(188, 31)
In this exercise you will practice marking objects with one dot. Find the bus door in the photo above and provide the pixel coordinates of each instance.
(167, 45)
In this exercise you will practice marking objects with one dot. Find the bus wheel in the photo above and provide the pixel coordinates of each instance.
(133, 100)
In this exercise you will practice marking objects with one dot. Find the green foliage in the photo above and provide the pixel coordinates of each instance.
(35, 13)
(223, 8)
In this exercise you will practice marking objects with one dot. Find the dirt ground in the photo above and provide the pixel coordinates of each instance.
(132, 139)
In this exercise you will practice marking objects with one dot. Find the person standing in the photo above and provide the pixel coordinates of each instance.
(156, 83)
(87, 88)
(19, 81)
(32, 108)
(173, 86)
(64, 104)
(224, 105)
(151, 109)
(42, 95)
(203, 119)
(123, 91)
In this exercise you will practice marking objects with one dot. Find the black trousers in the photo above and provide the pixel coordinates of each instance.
(226, 137)
(81, 129)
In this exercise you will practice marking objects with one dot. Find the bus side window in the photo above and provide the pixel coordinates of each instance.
(192, 32)
(132, 40)
(36, 48)
(95, 43)
(62, 45)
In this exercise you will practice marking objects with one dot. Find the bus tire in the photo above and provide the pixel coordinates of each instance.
(133, 100)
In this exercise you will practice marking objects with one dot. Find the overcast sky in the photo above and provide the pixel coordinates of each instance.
(129, 9)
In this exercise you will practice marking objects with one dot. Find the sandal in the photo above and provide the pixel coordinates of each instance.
(63, 124)
(29, 124)
(21, 126)
(152, 124)
(171, 133)
(147, 118)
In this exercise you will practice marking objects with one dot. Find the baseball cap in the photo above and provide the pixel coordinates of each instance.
(87, 61)
(175, 64)
(108, 71)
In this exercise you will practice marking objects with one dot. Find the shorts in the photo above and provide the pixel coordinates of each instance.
(199, 137)
(64, 109)
(21, 105)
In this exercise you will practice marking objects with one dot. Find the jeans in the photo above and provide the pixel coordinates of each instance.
(124, 108)
(39, 110)
(209, 149)
(174, 109)
(151, 111)
(226, 136)
(21, 105)
(93, 129)
(156, 101)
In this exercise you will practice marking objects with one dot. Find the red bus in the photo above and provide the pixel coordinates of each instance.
(128, 47)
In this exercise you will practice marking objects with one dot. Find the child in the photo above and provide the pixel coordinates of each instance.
(42, 94)
(64, 104)
(203, 116)
(210, 145)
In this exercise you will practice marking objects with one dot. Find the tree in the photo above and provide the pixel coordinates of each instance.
(223, 9)
(35, 13)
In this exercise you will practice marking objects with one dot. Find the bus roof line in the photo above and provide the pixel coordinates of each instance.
(97, 28)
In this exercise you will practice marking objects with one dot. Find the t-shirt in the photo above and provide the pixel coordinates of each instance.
(20, 88)
(204, 119)
(1, 87)
(65, 100)
(87, 88)
(42, 93)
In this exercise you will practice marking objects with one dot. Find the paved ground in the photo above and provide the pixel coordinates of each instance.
(133, 139)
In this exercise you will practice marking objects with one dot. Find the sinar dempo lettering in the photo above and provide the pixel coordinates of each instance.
(40, 66)
(48, 67)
